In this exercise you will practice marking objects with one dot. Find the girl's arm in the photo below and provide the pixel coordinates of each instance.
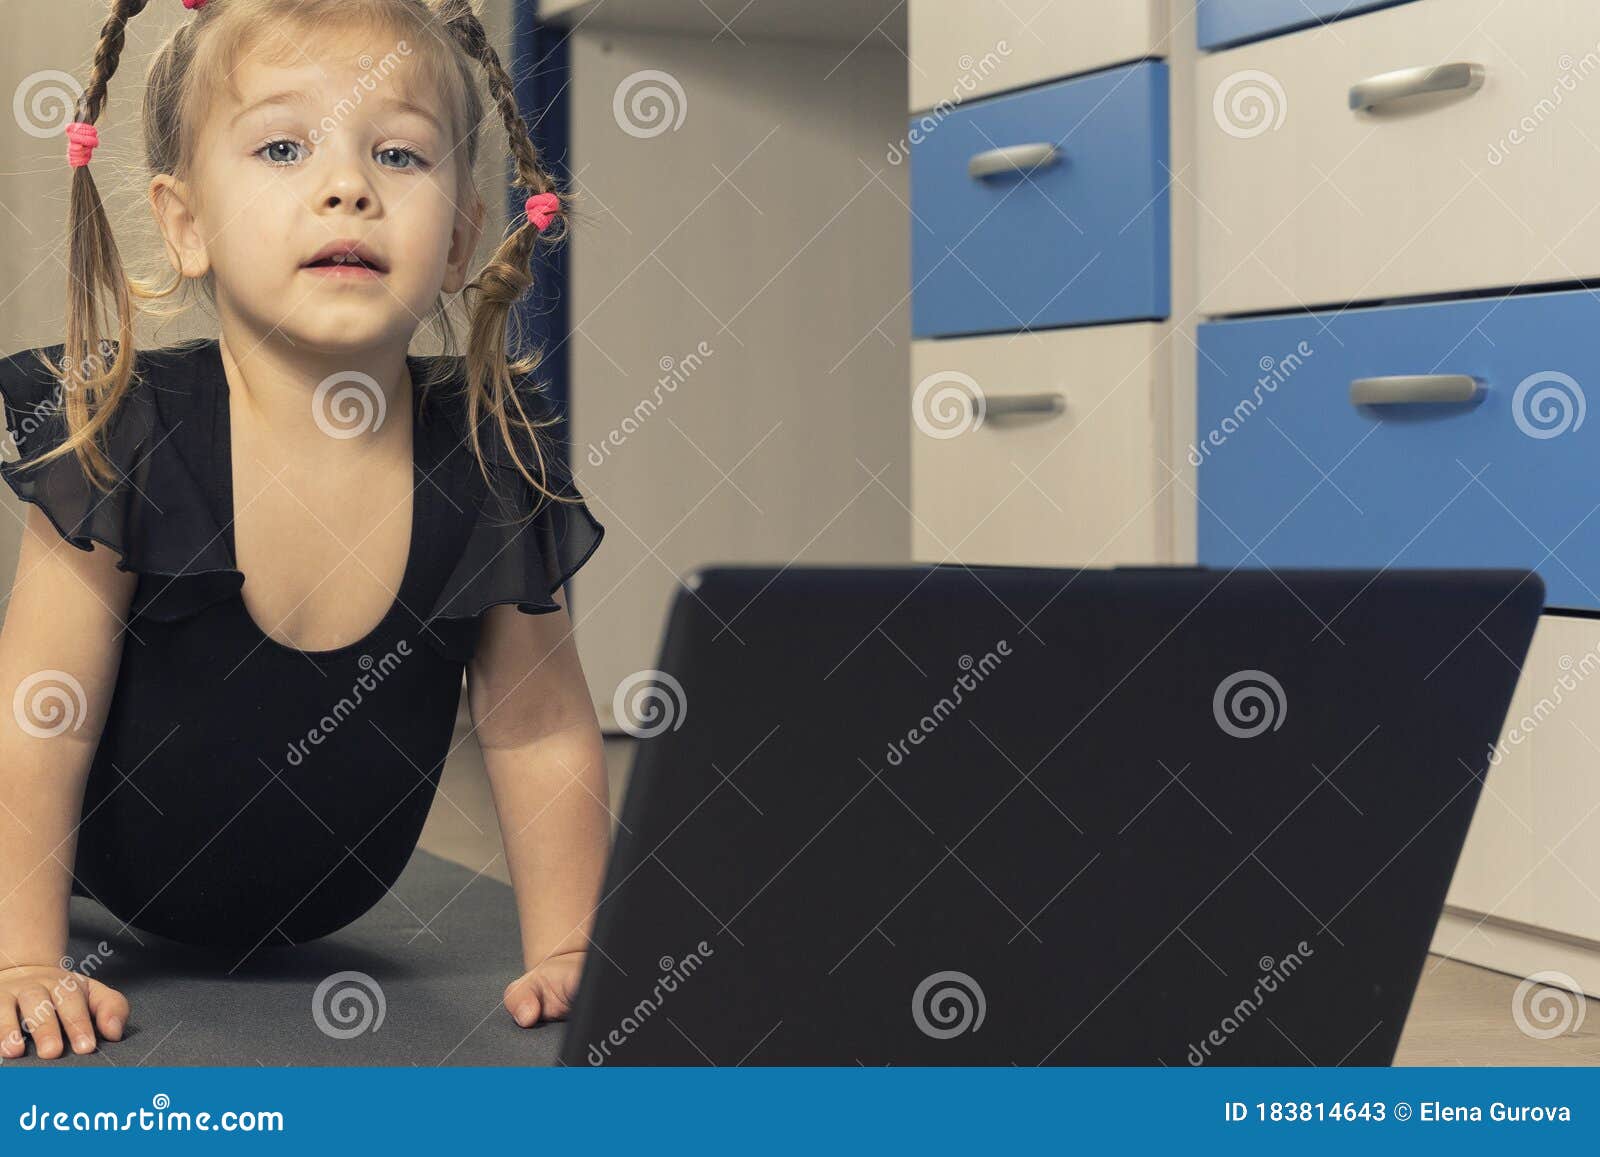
(60, 648)
(541, 745)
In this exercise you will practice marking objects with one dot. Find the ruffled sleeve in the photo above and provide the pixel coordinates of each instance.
(153, 515)
(35, 406)
(510, 558)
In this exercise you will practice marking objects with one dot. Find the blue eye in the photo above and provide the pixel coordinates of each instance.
(414, 156)
(274, 144)
(285, 151)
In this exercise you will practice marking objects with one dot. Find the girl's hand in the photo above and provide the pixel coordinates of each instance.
(545, 992)
(50, 1003)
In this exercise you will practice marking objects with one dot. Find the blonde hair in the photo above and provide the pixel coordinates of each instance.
(188, 69)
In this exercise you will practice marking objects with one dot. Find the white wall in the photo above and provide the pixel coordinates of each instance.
(770, 226)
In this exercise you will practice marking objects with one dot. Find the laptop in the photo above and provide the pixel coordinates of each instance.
(938, 814)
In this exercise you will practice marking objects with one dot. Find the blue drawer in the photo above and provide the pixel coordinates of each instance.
(1222, 23)
(1501, 481)
(1082, 241)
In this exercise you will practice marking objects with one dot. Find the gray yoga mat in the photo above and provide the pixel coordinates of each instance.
(438, 990)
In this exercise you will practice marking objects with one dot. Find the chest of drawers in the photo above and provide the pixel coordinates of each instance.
(1348, 324)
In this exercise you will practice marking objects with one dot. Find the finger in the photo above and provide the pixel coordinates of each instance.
(522, 1002)
(72, 1009)
(556, 997)
(11, 1042)
(110, 1009)
(39, 1019)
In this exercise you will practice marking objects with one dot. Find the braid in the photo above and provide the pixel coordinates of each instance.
(469, 33)
(507, 276)
(95, 265)
(107, 55)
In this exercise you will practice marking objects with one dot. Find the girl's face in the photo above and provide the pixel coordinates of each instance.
(312, 155)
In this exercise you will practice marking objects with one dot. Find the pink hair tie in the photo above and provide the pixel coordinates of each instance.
(194, 3)
(542, 209)
(82, 139)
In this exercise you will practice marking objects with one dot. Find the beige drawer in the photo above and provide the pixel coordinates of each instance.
(1494, 876)
(1081, 487)
(962, 50)
(1308, 202)
(1566, 776)
(1533, 853)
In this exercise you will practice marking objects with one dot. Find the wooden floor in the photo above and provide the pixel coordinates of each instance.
(1461, 1014)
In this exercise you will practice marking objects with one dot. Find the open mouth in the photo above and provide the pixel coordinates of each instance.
(348, 257)
(348, 263)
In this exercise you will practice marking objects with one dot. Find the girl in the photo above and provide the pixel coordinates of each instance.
(255, 566)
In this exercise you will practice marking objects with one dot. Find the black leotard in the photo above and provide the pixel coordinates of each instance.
(245, 792)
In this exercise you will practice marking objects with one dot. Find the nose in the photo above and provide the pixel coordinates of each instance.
(349, 193)
(359, 201)
(347, 188)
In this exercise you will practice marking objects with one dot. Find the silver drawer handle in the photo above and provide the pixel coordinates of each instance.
(1013, 159)
(1460, 76)
(1008, 405)
(1413, 389)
